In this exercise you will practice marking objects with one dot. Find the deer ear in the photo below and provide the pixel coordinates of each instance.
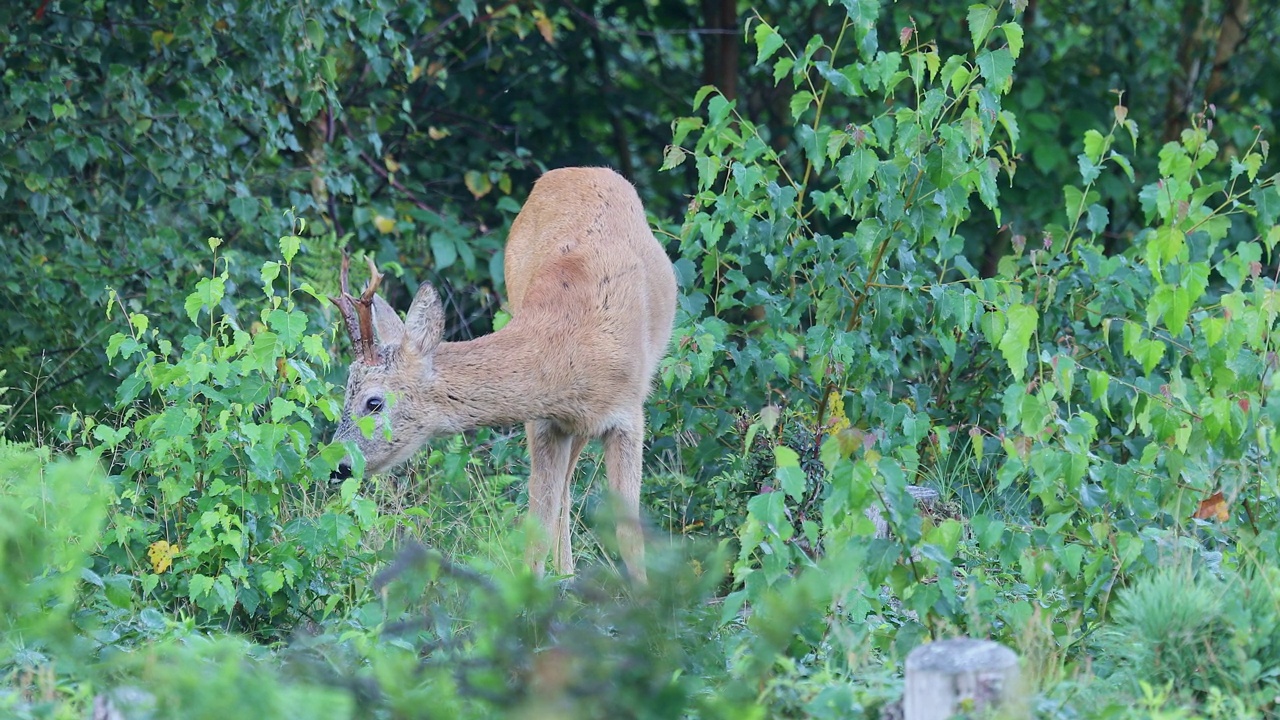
(389, 325)
(424, 325)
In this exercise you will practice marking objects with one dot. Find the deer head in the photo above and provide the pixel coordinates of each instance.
(389, 373)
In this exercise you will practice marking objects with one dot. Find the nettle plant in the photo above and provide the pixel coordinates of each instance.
(222, 502)
(826, 269)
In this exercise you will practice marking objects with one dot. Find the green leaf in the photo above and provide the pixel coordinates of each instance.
(1016, 342)
(1170, 242)
(787, 470)
(315, 33)
(109, 437)
(1013, 33)
(987, 531)
(856, 169)
(1177, 310)
(981, 20)
(1097, 219)
(208, 294)
(272, 582)
(443, 251)
(245, 209)
(270, 271)
(1095, 143)
(290, 325)
(1075, 202)
(39, 204)
(780, 70)
(114, 343)
(199, 586)
(702, 94)
(1124, 164)
(289, 246)
(997, 68)
(1253, 163)
(226, 593)
(478, 183)
(1150, 353)
(768, 42)
(263, 352)
(800, 102)
(1267, 202)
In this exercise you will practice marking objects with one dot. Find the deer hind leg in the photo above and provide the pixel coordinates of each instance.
(623, 455)
(564, 560)
(550, 461)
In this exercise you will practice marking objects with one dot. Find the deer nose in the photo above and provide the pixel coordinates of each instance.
(342, 472)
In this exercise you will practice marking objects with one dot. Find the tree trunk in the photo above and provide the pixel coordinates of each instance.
(1184, 78)
(722, 46)
(1230, 34)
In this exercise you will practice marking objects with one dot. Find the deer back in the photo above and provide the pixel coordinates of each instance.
(585, 271)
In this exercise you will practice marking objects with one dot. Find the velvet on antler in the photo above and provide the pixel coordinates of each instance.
(357, 312)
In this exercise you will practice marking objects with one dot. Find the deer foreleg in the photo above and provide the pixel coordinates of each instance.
(623, 454)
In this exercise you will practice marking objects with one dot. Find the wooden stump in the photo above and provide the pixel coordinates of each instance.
(124, 703)
(950, 676)
(924, 497)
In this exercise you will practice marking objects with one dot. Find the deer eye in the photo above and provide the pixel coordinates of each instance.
(373, 404)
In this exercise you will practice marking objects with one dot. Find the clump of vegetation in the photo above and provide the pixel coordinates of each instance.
(223, 507)
(1197, 633)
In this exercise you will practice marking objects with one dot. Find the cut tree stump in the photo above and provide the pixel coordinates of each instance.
(124, 703)
(925, 498)
(962, 675)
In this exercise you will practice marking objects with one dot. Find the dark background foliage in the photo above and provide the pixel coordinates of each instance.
(133, 130)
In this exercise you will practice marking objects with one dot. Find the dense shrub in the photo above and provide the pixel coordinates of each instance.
(1126, 400)
(222, 503)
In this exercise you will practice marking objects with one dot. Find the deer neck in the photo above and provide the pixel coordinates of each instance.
(491, 381)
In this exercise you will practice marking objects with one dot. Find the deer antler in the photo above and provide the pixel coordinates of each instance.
(357, 312)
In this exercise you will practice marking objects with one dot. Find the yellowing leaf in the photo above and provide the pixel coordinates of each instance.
(545, 26)
(672, 156)
(478, 183)
(436, 133)
(161, 555)
(1213, 508)
(160, 39)
(384, 223)
(392, 165)
(415, 73)
(836, 420)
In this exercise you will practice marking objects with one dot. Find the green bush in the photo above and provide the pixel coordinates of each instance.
(1196, 632)
(1112, 395)
(222, 503)
(51, 517)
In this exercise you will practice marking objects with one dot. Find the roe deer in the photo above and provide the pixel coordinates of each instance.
(592, 297)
